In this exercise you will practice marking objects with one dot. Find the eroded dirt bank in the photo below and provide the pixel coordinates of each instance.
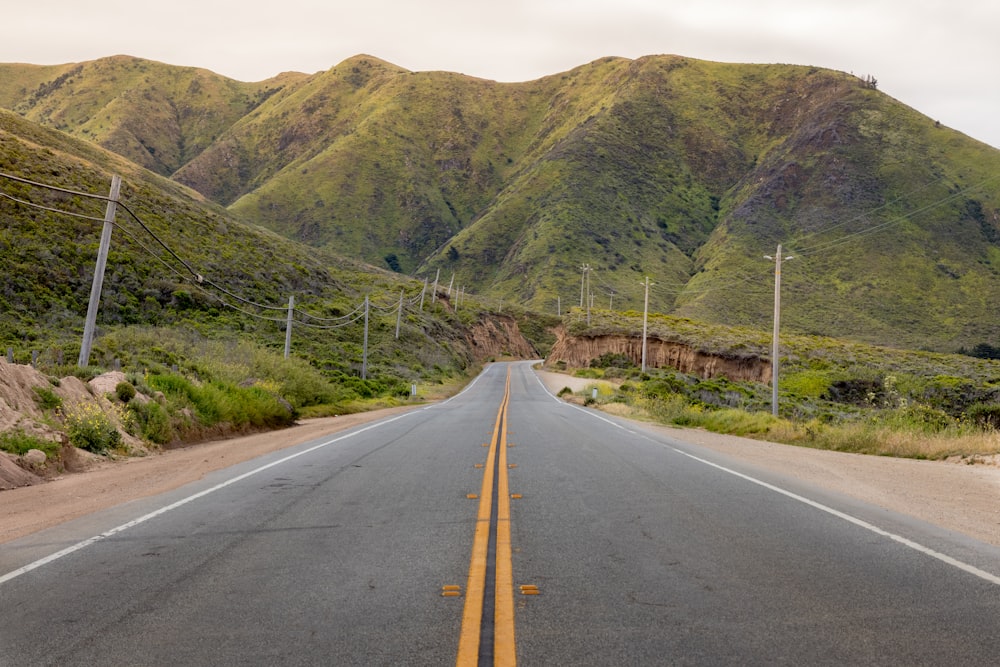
(578, 351)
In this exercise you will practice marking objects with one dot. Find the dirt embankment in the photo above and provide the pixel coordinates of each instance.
(30, 403)
(499, 336)
(578, 351)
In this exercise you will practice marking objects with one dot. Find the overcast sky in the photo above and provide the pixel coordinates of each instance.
(938, 56)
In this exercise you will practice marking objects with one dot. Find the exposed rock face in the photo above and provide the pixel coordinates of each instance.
(579, 351)
(499, 336)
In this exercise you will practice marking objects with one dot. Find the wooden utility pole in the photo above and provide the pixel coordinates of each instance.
(288, 325)
(102, 260)
(645, 319)
(364, 347)
(777, 326)
(399, 315)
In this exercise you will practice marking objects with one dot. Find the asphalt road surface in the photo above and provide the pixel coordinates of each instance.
(501, 526)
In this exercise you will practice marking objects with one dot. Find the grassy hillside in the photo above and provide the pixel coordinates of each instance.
(192, 272)
(156, 115)
(682, 170)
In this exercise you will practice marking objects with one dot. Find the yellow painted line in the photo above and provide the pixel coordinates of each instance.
(472, 613)
(503, 615)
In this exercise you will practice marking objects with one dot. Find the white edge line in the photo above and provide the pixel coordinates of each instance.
(944, 558)
(927, 551)
(184, 501)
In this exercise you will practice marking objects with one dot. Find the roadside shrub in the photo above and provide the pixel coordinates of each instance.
(218, 402)
(125, 391)
(152, 421)
(89, 428)
(46, 398)
(984, 416)
(612, 360)
(18, 442)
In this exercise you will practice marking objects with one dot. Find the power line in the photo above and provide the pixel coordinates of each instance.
(50, 209)
(820, 247)
(55, 188)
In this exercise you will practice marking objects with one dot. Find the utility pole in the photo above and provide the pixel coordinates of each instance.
(559, 306)
(611, 303)
(583, 278)
(399, 315)
(451, 284)
(102, 260)
(364, 347)
(777, 326)
(434, 292)
(422, 292)
(288, 325)
(645, 319)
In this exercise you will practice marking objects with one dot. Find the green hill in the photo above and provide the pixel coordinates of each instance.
(683, 170)
(179, 263)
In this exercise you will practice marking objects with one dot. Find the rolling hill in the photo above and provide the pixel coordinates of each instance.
(683, 170)
(180, 262)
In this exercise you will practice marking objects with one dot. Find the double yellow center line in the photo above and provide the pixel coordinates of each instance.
(491, 560)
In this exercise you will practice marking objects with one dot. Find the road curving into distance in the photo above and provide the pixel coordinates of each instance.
(502, 526)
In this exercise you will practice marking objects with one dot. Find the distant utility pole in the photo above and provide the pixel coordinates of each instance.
(434, 291)
(583, 280)
(611, 303)
(777, 325)
(102, 260)
(559, 306)
(399, 315)
(422, 292)
(645, 319)
(364, 347)
(451, 284)
(288, 325)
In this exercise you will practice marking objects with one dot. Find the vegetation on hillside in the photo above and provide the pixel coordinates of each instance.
(682, 170)
(191, 292)
(833, 394)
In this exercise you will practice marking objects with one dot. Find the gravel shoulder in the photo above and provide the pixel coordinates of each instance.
(962, 498)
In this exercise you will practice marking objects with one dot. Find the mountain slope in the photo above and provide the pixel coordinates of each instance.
(192, 265)
(156, 115)
(682, 170)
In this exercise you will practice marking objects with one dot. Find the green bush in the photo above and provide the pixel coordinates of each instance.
(612, 360)
(984, 416)
(89, 428)
(125, 391)
(46, 398)
(217, 402)
(153, 422)
(18, 442)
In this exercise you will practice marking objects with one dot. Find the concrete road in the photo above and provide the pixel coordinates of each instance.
(500, 526)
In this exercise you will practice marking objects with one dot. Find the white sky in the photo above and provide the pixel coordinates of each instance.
(938, 56)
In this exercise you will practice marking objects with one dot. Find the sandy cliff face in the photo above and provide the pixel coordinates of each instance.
(579, 351)
(499, 336)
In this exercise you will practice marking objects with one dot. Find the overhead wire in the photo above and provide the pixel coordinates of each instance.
(834, 243)
(49, 208)
(199, 279)
(55, 188)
